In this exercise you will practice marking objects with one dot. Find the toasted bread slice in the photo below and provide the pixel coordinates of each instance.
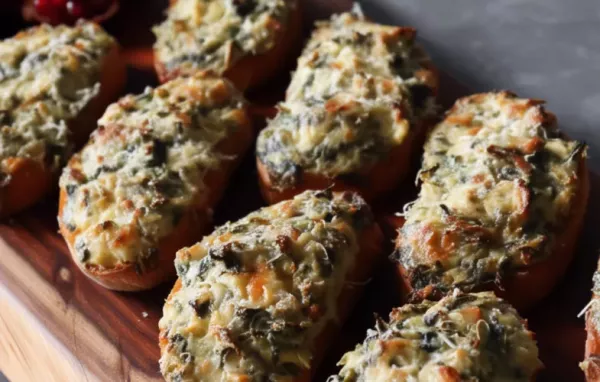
(146, 183)
(371, 181)
(247, 42)
(463, 337)
(591, 364)
(361, 94)
(263, 297)
(57, 82)
(502, 201)
(591, 368)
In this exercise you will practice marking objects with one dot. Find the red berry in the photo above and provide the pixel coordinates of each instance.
(41, 3)
(68, 11)
(52, 10)
(75, 9)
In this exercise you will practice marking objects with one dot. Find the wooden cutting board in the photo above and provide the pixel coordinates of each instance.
(56, 325)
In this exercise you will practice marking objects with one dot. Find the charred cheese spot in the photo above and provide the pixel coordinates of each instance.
(357, 93)
(215, 34)
(498, 181)
(268, 305)
(463, 337)
(144, 168)
(47, 76)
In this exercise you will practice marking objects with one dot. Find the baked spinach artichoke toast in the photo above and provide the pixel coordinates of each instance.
(463, 337)
(54, 83)
(145, 184)
(360, 94)
(591, 364)
(502, 200)
(261, 298)
(247, 41)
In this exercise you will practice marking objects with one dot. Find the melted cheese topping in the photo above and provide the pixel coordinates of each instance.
(47, 76)
(595, 307)
(215, 34)
(256, 293)
(498, 184)
(592, 317)
(464, 337)
(591, 364)
(358, 89)
(144, 168)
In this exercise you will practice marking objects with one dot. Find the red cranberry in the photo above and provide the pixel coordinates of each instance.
(52, 10)
(75, 9)
(68, 11)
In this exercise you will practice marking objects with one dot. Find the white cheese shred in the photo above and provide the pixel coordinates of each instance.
(446, 340)
(586, 308)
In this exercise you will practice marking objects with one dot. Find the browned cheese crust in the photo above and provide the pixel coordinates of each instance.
(248, 42)
(146, 183)
(361, 94)
(263, 297)
(502, 201)
(55, 82)
(463, 337)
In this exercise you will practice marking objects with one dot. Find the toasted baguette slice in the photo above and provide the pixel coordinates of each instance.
(502, 201)
(57, 82)
(463, 337)
(246, 41)
(361, 94)
(146, 183)
(591, 364)
(262, 298)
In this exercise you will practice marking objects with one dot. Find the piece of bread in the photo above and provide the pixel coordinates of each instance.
(146, 183)
(463, 337)
(247, 41)
(55, 82)
(591, 364)
(263, 297)
(503, 197)
(360, 95)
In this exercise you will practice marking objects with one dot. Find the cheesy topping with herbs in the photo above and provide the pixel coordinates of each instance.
(215, 34)
(591, 364)
(144, 168)
(594, 309)
(498, 184)
(256, 293)
(47, 76)
(463, 337)
(359, 90)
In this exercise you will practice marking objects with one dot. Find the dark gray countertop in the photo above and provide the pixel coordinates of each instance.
(547, 49)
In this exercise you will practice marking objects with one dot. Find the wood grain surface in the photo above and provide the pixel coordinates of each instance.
(56, 325)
